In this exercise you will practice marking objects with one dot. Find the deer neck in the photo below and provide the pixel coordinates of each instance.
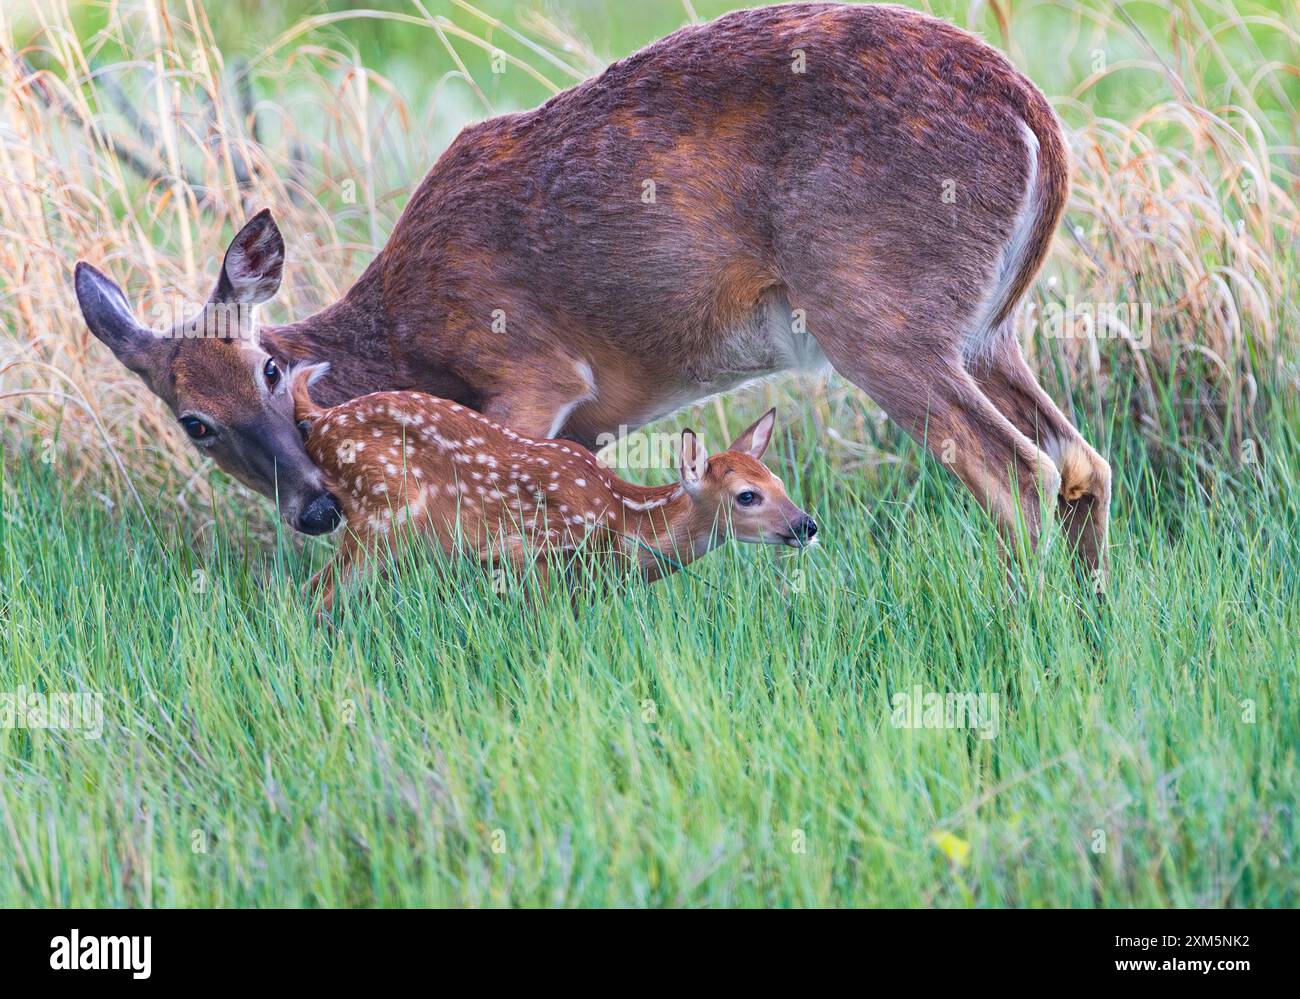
(366, 352)
(349, 338)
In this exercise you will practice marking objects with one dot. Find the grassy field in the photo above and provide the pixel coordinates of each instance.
(726, 738)
(731, 736)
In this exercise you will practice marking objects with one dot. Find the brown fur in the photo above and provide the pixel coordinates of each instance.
(775, 192)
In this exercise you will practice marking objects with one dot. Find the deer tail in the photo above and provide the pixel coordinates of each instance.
(1051, 179)
(301, 377)
(1044, 204)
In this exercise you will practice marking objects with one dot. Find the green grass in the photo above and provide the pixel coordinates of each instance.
(670, 745)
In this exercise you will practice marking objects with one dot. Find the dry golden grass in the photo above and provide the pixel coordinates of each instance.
(1189, 205)
(147, 166)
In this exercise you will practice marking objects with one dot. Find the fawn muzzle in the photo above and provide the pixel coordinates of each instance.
(802, 531)
(805, 530)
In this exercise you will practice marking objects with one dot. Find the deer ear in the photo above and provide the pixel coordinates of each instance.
(254, 263)
(754, 441)
(109, 317)
(693, 459)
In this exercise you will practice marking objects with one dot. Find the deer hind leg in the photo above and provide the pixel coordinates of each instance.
(1002, 468)
(1083, 502)
(925, 390)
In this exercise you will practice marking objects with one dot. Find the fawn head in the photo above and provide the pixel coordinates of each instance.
(226, 392)
(734, 495)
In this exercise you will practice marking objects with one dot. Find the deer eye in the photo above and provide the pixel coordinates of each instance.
(747, 498)
(271, 371)
(196, 428)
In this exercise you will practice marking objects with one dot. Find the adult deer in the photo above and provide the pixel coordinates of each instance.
(783, 187)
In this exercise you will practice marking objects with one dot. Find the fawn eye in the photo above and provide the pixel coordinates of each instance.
(747, 498)
(271, 371)
(196, 428)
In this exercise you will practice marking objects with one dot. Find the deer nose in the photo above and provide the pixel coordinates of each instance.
(321, 515)
(806, 529)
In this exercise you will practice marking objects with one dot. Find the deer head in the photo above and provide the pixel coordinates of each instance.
(226, 392)
(734, 495)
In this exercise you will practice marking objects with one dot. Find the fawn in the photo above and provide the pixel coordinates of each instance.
(800, 186)
(407, 459)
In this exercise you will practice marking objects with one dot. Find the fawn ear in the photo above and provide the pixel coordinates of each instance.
(754, 441)
(692, 461)
(254, 263)
(109, 316)
(300, 377)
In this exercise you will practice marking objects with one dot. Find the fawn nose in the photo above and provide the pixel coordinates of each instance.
(806, 529)
(321, 515)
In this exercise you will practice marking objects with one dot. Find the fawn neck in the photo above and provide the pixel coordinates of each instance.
(657, 522)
